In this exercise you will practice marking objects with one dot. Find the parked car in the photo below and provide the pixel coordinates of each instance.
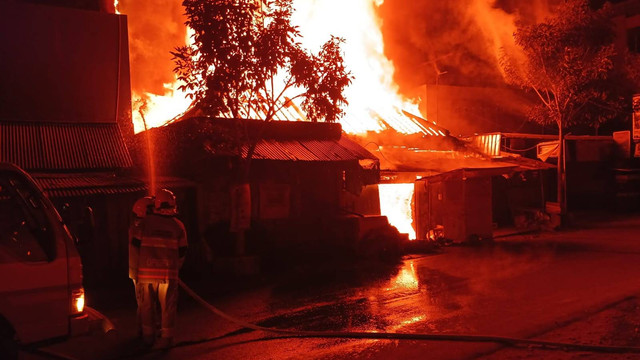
(41, 292)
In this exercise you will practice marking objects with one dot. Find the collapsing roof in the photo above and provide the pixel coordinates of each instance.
(433, 152)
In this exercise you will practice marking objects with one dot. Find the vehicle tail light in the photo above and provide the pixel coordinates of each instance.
(77, 301)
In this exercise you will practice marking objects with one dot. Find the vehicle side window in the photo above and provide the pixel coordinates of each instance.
(24, 231)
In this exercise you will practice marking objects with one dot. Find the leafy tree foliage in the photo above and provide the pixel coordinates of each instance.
(246, 58)
(570, 62)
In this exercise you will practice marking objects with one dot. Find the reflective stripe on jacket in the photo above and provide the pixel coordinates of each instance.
(134, 248)
(161, 237)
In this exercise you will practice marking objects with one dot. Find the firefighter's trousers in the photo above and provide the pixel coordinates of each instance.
(166, 295)
(139, 288)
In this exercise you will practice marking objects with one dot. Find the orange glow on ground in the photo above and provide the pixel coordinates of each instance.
(395, 204)
(407, 278)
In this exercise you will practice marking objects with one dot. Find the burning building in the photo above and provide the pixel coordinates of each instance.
(378, 118)
(462, 189)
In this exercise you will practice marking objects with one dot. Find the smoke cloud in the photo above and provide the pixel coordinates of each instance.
(459, 39)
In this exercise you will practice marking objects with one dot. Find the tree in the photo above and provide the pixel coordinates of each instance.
(569, 61)
(246, 62)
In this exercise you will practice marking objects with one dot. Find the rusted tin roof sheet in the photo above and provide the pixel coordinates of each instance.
(55, 146)
(63, 186)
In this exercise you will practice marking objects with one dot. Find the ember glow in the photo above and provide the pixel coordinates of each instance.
(395, 204)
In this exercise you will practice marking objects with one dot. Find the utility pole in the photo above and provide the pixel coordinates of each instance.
(438, 73)
(426, 85)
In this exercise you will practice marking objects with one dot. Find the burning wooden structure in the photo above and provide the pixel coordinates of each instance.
(434, 185)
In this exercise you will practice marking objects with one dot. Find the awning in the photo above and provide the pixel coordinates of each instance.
(72, 185)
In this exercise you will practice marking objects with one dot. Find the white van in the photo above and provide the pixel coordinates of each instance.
(41, 293)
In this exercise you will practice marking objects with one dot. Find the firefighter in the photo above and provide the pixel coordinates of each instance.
(141, 208)
(162, 250)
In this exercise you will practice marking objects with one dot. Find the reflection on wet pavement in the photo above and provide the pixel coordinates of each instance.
(419, 294)
(409, 294)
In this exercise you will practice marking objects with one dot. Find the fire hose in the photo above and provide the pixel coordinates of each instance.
(285, 333)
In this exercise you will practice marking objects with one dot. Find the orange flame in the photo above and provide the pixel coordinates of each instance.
(395, 204)
(159, 109)
(374, 102)
(155, 93)
(373, 96)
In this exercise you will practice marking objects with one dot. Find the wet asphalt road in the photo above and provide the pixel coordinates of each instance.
(520, 287)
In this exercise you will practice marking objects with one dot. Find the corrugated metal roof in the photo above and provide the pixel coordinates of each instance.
(309, 150)
(55, 146)
(58, 186)
(359, 151)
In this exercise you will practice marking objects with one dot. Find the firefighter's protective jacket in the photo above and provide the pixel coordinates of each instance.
(163, 244)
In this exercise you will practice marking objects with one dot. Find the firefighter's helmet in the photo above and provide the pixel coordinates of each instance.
(165, 203)
(142, 206)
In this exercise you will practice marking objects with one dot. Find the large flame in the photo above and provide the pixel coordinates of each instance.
(374, 101)
(159, 108)
(373, 95)
(155, 29)
(153, 110)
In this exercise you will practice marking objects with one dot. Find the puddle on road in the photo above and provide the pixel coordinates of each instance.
(421, 294)
(388, 300)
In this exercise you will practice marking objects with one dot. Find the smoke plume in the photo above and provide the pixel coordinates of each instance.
(459, 39)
